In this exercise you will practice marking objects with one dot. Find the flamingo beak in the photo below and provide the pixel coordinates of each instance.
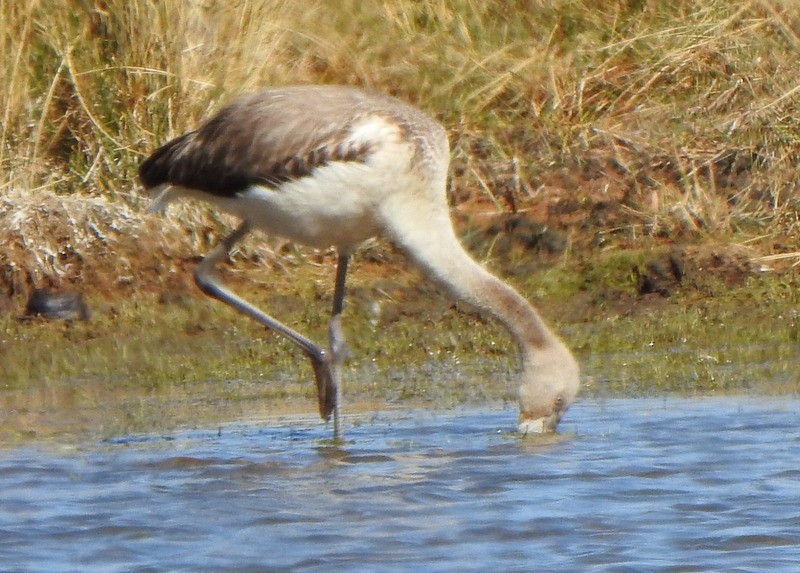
(541, 425)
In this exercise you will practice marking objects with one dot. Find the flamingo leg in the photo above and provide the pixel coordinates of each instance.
(338, 348)
(320, 358)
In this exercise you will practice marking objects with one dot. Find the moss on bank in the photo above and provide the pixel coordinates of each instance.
(146, 365)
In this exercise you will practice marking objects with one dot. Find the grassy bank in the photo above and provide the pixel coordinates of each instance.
(144, 364)
(596, 148)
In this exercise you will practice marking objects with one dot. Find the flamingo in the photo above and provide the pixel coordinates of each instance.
(332, 166)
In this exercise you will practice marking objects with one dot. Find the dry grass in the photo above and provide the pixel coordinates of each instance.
(682, 113)
(49, 240)
(52, 240)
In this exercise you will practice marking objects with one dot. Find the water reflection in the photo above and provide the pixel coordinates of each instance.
(629, 485)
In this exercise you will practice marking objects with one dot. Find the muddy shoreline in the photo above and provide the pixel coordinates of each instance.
(156, 354)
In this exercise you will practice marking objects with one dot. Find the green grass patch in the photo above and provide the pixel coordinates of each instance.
(147, 365)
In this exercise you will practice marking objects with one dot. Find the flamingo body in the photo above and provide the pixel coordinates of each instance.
(333, 166)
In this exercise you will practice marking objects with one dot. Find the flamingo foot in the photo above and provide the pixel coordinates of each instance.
(327, 391)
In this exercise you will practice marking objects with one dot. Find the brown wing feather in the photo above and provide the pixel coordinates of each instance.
(269, 138)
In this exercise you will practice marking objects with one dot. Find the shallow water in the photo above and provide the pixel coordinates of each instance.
(629, 485)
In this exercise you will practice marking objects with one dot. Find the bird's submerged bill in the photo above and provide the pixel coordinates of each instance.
(542, 425)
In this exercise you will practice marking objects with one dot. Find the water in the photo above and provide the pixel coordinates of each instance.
(630, 485)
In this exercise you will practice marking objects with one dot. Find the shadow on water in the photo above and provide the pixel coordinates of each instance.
(629, 485)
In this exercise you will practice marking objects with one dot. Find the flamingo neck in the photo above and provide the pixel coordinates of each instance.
(500, 300)
(472, 283)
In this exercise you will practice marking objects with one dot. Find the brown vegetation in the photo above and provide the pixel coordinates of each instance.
(578, 128)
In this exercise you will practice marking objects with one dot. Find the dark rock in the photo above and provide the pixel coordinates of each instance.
(52, 304)
(661, 276)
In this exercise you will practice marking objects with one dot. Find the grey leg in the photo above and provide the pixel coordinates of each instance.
(320, 358)
(338, 348)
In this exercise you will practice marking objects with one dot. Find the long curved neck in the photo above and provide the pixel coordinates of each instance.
(424, 230)
(472, 283)
(446, 261)
(550, 375)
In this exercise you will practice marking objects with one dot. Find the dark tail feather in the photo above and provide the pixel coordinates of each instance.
(159, 167)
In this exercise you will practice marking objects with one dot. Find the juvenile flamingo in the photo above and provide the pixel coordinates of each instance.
(333, 166)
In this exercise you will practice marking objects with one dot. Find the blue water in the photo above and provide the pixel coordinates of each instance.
(629, 485)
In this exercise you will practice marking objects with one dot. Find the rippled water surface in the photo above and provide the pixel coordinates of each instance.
(629, 485)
